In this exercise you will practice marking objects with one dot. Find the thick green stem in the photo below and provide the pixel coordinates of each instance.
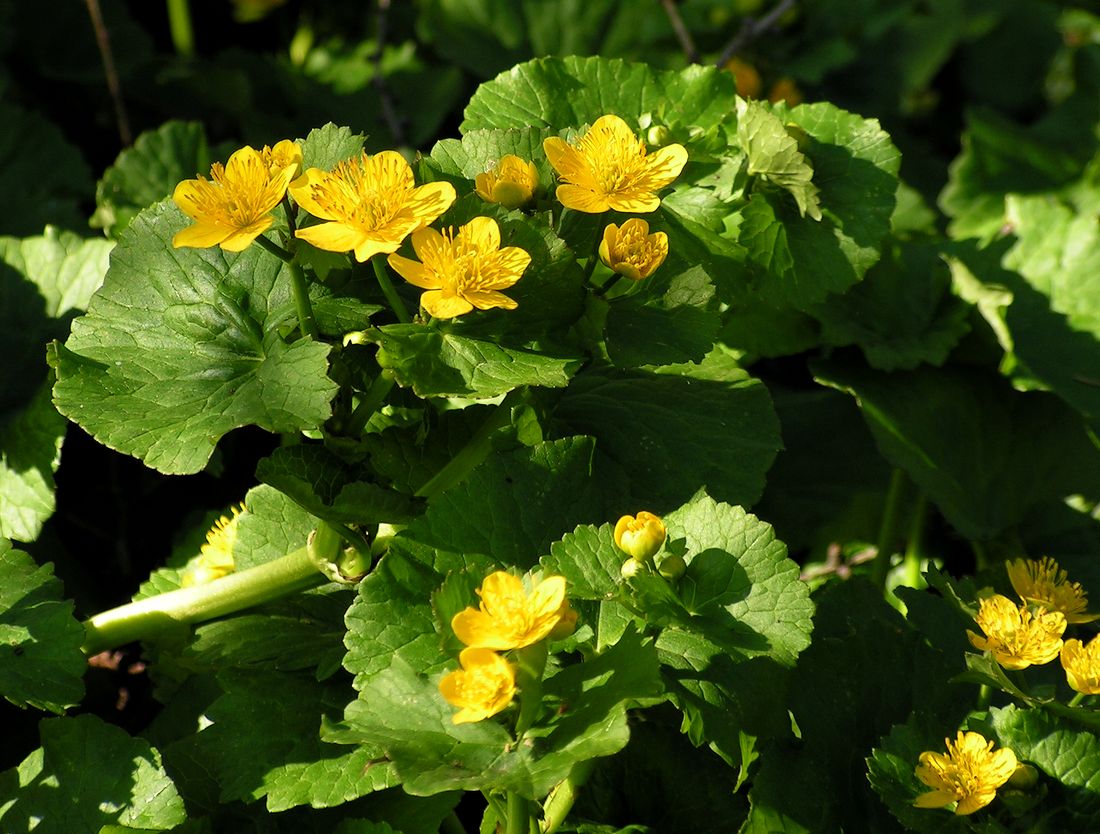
(530, 665)
(519, 817)
(881, 565)
(299, 287)
(985, 693)
(235, 592)
(179, 24)
(371, 402)
(914, 544)
(560, 801)
(388, 290)
(1077, 699)
(470, 455)
(594, 257)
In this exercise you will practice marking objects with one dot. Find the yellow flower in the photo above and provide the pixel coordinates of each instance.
(464, 270)
(511, 183)
(1082, 665)
(1043, 583)
(215, 558)
(609, 169)
(968, 774)
(285, 154)
(785, 90)
(371, 202)
(640, 536)
(631, 250)
(508, 618)
(1016, 637)
(234, 206)
(483, 687)
(567, 622)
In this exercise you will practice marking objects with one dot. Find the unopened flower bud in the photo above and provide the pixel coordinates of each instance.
(631, 567)
(640, 536)
(658, 136)
(672, 566)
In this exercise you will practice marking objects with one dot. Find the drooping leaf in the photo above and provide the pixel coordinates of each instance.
(41, 664)
(774, 156)
(105, 776)
(181, 346)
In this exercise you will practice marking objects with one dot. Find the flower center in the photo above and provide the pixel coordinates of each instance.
(616, 161)
(241, 194)
(359, 199)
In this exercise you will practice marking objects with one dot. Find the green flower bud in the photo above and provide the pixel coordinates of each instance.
(640, 536)
(671, 566)
(631, 567)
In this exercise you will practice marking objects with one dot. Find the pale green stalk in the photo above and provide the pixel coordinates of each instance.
(388, 290)
(179, 25)
(881, 565)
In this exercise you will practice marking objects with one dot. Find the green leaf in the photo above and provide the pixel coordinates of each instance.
(45, 177)
(676, 428)
(148, 171)
(41, 664)
(391, 619)
(272, 526)
(328, 145)
(902, 314)
(404, 713)
(509, 509)
(64, 267)
(479, 151)
(773, 155)
(671, 321)
(1001, 454)
(323, 485)
(438, 364)
(105, 777)
(181, 346)
(30, 451)
(265, 742)
(589, 560)
(855, 168)
(1059, 748)
(530, 95)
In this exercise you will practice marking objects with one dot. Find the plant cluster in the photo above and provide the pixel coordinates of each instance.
(626, 286)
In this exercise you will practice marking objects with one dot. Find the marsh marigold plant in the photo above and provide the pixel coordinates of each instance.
(509, 617)
(462, 270)
(608, 168)
(370, 204)
(1015, 636)
(1044, 584)
(969, 773)
(631, 251)
(485, 685)
(511, 182)
(234, 206)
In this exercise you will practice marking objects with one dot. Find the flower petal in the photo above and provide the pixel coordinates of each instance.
(447, 307)
(332, 237)
(488, 299)
(482, 233)
(582, 199)
(429, 201)
(301, 191)
(200, 235)
(414, 272)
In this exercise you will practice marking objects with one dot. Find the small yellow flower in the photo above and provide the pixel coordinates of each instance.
(285, 154)
(483, 687)
(968, 774)
(787, 91)
(1015, 636)
(640, 536)
(1043, 583)
(234, 206)
(371, 202)
(511, 183)
(609, 169)
(631, 250)
(508, 618)
(215, 558)
(1082, 665)
(462, 270)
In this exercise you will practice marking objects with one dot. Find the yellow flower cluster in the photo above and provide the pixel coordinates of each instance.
(507, 618)
(1029, 634)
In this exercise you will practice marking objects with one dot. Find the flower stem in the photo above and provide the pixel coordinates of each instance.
(370, 403)
(235, 592)
(1077, 699)
(560, 801)
(530, 665)
(594, 257)
(914, 544)
(881, 565)
(388, 290)
(519, 818)
(179, 24)
(473, 453)
(299, 287)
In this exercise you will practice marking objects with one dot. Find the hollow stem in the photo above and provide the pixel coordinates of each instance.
(299, 287)
(473, 453)
(519, 819)
(560, 801)
(388, 290)
(1077, 698)
(179, 24)
(235, 592)
(881, 565)
(370, 403)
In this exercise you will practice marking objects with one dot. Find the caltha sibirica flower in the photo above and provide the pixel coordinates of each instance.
(215, 558)
(1044, 584)
(234, 206)
(370, 204)
(511, 182)
(969, 773)
(462, 270)
(1016, 636)
(608, 168)
(1081, 662)
(631, 251)
(485, 685)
